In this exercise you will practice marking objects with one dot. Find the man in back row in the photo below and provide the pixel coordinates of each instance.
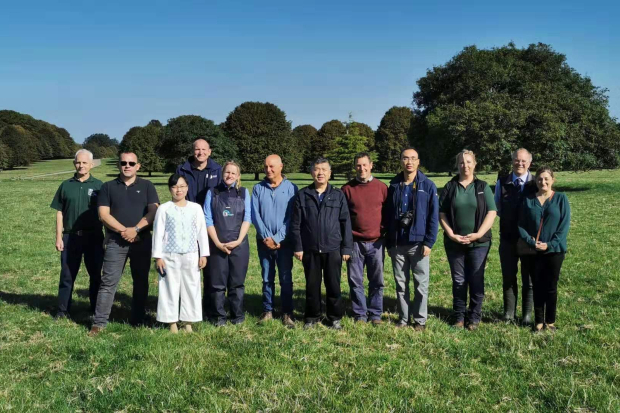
(201, 173)
(509, 193)
(366, 198)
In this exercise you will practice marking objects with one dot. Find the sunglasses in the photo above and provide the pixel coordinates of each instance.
(125, 163)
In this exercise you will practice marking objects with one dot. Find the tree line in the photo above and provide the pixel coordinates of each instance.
(24, 139)
(491, 101)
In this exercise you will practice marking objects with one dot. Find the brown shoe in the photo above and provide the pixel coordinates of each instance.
(472, 326)
(459, 324)
(94, 330)
(376, 322)
(360, 321)
(266, 316)
(287, 321)
(400, 324)
(419, 327)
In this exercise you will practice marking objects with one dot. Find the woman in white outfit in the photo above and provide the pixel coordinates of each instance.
(180, 247)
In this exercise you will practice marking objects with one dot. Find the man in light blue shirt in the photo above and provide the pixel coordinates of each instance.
(271, 214)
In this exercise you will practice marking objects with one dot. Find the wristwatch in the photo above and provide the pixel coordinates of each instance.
(137, 228)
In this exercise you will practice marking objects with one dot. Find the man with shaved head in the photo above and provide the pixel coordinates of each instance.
(200, 172)
(271, 215)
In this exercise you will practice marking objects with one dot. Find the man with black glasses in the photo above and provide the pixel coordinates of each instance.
(127, 207)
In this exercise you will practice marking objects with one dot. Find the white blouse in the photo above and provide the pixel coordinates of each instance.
(179, 230)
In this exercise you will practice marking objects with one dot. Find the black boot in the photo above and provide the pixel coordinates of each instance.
(527, 303)
(510, 302)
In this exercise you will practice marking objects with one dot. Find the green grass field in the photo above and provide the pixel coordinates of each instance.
(52, 365)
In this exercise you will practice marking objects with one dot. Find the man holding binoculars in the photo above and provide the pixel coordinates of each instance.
(412, 218)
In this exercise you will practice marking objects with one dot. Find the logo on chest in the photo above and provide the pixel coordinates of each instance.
(227, 212)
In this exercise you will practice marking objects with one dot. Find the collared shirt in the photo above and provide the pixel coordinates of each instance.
(271, 209)
(77, 201)
(247, 214)
(498, 188)
(128, 203)
(407, 198)
(364, 182)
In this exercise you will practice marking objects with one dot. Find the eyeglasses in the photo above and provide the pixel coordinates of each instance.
(407, 159)
(175, 187)
(125, 163)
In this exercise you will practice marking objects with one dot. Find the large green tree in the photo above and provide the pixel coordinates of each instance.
(362, 129)
(493, 101)
(303, 136)
(391, 137)
(325, 139)
(181, 132)
(5, 155)
(22, 146)
(101, 145)
(259, 129)
(144, 142)
(48, 141)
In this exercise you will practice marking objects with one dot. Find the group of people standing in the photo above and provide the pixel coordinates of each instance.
(205, 226)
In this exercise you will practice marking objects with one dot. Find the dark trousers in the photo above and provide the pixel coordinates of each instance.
(467, 268)
(117, 251)
(546, 273)
(317, 266)
(89, 246)
(227, 273)
(509, 261)
(370, 255)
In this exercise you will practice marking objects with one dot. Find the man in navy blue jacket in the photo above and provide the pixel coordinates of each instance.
(200, 172)
(412, 219)
(322, 239)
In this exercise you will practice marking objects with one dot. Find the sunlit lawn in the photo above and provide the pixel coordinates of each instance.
(52, 365)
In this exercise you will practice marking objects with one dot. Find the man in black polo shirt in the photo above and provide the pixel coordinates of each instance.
(78, 231)
(127, 207)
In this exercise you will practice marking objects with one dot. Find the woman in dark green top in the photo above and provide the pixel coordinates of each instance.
(466, 213)
(553, 208)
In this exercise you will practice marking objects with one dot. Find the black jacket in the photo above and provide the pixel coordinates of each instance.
(195, 192)
(511, 198)
(323, 227)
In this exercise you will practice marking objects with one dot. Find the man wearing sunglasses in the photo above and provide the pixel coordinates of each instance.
(127, 207)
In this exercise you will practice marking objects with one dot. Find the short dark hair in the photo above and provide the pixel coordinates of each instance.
(361, 155)
(174, 179)
(547, 169)
(120, 155)
(409, 148)
(319, 161)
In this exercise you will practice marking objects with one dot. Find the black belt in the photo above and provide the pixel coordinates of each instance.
(83, 232)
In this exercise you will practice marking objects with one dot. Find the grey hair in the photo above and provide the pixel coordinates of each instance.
(86, 151)
(514, 154)
(319, 161)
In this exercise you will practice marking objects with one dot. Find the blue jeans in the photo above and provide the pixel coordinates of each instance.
(283, 260)
(371, 256)
(467, 268)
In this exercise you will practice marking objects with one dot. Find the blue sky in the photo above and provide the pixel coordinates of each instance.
(103, 67)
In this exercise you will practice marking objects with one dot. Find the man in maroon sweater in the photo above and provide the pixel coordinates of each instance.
(366, 197)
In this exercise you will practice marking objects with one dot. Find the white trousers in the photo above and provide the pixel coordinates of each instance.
(182, 281)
